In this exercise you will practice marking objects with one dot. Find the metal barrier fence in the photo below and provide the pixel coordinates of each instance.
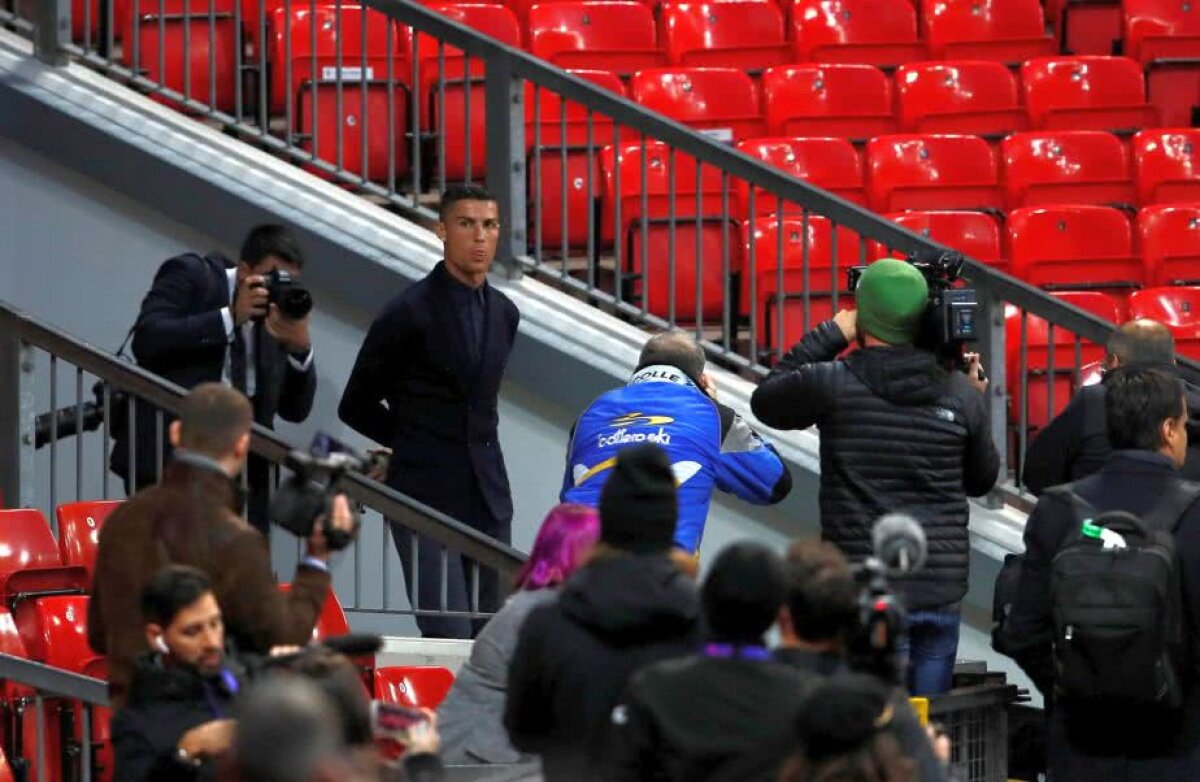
(42, 369)
(656, 221)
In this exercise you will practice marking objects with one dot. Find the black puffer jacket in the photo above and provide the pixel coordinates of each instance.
(898, 433)
(574, 657)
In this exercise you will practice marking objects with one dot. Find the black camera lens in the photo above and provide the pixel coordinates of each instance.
(285, 292)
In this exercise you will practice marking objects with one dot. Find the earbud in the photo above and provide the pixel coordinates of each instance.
(161, 644)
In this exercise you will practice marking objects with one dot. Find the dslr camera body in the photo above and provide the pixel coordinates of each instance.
(285, 292)
(307, 494)
(950, 315)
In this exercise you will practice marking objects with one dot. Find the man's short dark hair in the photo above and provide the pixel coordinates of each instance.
(743, 592)
(1137, 401)
(822, 597)
(263, 241)
(171, 590)
(212, 418)
(337, 677)
(284, 733)
(1142, 342)
(675, 349)
(468, 191)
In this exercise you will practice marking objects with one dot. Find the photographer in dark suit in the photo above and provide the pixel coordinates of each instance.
(426, 383)
(207, 319)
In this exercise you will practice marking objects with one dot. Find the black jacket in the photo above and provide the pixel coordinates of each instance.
(415, 389)
(164, 703)
(905, 725)
(1108, 746)
(700, 718)
(574, 657)
(180, 335)
(898, 433)
(1075, 443)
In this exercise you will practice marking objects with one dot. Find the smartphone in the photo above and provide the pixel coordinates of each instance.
(391, 721)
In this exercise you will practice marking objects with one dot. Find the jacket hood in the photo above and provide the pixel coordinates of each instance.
(632, 597)
(903, 375)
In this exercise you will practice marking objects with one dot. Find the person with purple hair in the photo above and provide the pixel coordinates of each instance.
(471, 719)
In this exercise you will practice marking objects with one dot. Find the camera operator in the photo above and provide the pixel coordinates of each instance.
(191, 518)
(898, 433)
(207, 319)
(177, 719)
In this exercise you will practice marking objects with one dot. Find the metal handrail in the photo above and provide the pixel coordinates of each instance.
(53, 681)
(166, 395)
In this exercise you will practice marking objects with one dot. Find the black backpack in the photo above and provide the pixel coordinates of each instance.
(1119, 635)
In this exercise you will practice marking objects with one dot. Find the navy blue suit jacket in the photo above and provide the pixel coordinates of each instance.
(416, 389)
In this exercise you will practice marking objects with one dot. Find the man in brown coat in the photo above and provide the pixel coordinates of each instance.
(192, 518)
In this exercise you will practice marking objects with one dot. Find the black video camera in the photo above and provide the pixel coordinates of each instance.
(307, 494)
(285, 292)
(72, 420)
(950, 317)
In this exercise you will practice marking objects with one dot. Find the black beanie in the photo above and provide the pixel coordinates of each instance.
(842, 715)
(637, 503)
(745, 588)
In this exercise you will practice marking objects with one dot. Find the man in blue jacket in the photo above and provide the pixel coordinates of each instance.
(669, 401)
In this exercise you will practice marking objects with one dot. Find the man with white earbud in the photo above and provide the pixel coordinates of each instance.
(175, 724)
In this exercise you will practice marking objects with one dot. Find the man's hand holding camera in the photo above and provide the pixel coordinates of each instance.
(292, 333)
(250, 300)
(341, 518)
(847, 321)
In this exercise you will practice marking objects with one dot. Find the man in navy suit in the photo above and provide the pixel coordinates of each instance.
(208, 319)
(426, 383)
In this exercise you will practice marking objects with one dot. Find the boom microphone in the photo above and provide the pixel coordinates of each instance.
(899, 542)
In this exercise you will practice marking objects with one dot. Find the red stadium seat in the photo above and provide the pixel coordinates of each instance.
(719, 102)
(1074, 247)
(1008, 31)
(1164, 36)
(1086, 93)
(745, 34)
(872, 32)
(828, 163)
(1050, 364)
(1166, 165)
(1170, 242)
(974, 234)
(1178, 308)
(853, 101)
(414, 686)
(775, 261)
(931, 172)
(611, 36)
(1085, 26)
(29, 558)
(79, 531)
(54, 631)
(550, 205)
(212, 41)
(960, 96)
(646, 237)
(1066, 167)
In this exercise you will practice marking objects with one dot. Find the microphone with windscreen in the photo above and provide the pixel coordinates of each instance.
(899, 542)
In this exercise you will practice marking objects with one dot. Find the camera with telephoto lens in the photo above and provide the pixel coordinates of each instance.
(950, 316)
(285, 292)
(69, 420)
(307, 494)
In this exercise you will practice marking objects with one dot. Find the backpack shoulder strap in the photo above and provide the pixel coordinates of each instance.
(1173, 505)
(1081, 507)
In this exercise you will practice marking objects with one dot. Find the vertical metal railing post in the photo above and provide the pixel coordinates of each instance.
(16, 425)
(504, 101)
(52, 23)
(990, 325)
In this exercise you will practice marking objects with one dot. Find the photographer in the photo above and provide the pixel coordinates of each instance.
(191, 518)
(177, 719)
(898, 433)
(670, 401)
(207, 319)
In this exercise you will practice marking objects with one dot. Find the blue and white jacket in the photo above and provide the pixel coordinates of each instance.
(709, 444)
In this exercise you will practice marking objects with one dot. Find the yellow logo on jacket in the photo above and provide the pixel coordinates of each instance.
(641, 419)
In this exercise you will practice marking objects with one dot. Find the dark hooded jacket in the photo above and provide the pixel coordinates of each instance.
(898, 434)
(574, 657)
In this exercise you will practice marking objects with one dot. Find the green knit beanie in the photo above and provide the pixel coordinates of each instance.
(891, 297)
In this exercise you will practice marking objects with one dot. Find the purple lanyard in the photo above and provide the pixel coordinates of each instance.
(730, 651)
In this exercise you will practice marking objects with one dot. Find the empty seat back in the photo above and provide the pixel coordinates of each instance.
(29, 557)
(1167, 165)
(415, 686)
(79, 530)
(828, 163)
(1170, 242)
(1081, 93)
(1073, 247)
(721, 102)
(853, 101)
(958, 96)
(1004, 30)
(974, 234)
(931, 172)
(54, 631)
(874, 32)
(1157, 29)
(1065, 167)
(612, 35)
(731, 33)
